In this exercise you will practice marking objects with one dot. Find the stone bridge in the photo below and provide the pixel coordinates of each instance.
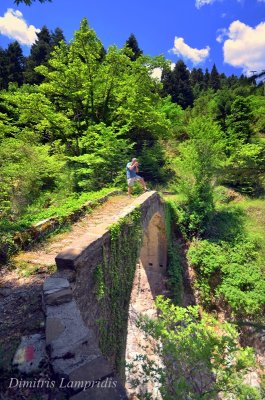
(87, 300)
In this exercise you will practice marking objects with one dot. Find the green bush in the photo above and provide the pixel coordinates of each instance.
(197, 166)
(201, 357)
(231, 272)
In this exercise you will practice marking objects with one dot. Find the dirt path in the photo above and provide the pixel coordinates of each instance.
(21, 284)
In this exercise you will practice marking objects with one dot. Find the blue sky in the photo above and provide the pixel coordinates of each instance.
(230, 33)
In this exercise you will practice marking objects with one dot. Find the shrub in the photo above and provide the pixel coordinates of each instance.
(232, 272)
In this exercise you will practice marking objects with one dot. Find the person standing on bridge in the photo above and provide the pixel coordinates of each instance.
(132, 169)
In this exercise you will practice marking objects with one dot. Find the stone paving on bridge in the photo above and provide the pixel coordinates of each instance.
(16, 288)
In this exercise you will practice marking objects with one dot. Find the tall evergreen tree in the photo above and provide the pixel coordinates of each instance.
(206, 79)
(39, 55)
(132, 44)
(56, 37)
(197, 81)
(15, 63)
(215, 79)
(177, 84)
(3, 69)
(167, 81)
(29, 2)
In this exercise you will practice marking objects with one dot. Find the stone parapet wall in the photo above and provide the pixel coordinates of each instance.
(74, 353)
(87, 300)
(41, 229)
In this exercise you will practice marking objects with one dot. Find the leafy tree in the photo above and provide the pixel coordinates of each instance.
(83, 94)
(245, 166)
(26, 172)
(104, 154)
(257, 105)
(132, 44)
(239, 122)
(202, 105)
(201, 356)
(197, 167)
(220, 107)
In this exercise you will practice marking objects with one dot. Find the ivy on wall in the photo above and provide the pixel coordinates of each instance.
(113, 286)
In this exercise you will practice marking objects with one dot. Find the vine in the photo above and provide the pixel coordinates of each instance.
(174, 261)
(99, 282)
(116, 276)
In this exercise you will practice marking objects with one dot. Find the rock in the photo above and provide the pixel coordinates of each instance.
(55, 283)
(57, 291)
(54, 328)
(30, 354)
(96, 369)
(72, 345)
(108, 389)
(5, 292)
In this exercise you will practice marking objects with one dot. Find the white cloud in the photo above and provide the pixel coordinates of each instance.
(13, 25)
(222, 33)
(157, 72)
(245, 46)
(200, 3)
(195, 55)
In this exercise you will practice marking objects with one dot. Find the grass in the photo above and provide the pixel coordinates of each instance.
(255, 223)
(26, 269)
(250, 211)
(62, 207)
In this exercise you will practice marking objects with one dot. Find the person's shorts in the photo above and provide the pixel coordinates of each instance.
(131, 181)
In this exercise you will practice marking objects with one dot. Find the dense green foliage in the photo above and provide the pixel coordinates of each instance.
(71, 117)
(76, 130)
(174, 263)
(230, 273)
(201, 356)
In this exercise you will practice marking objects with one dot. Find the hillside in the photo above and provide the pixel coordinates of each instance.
(68, 129)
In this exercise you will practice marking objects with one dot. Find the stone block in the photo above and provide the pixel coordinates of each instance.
(97, 369)
(77, 357)
(54, 283)
(30, 354)
(58, 297)
(74, 332)
(56, 291)
(108, 389)
(54, 328)
(72, 345)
